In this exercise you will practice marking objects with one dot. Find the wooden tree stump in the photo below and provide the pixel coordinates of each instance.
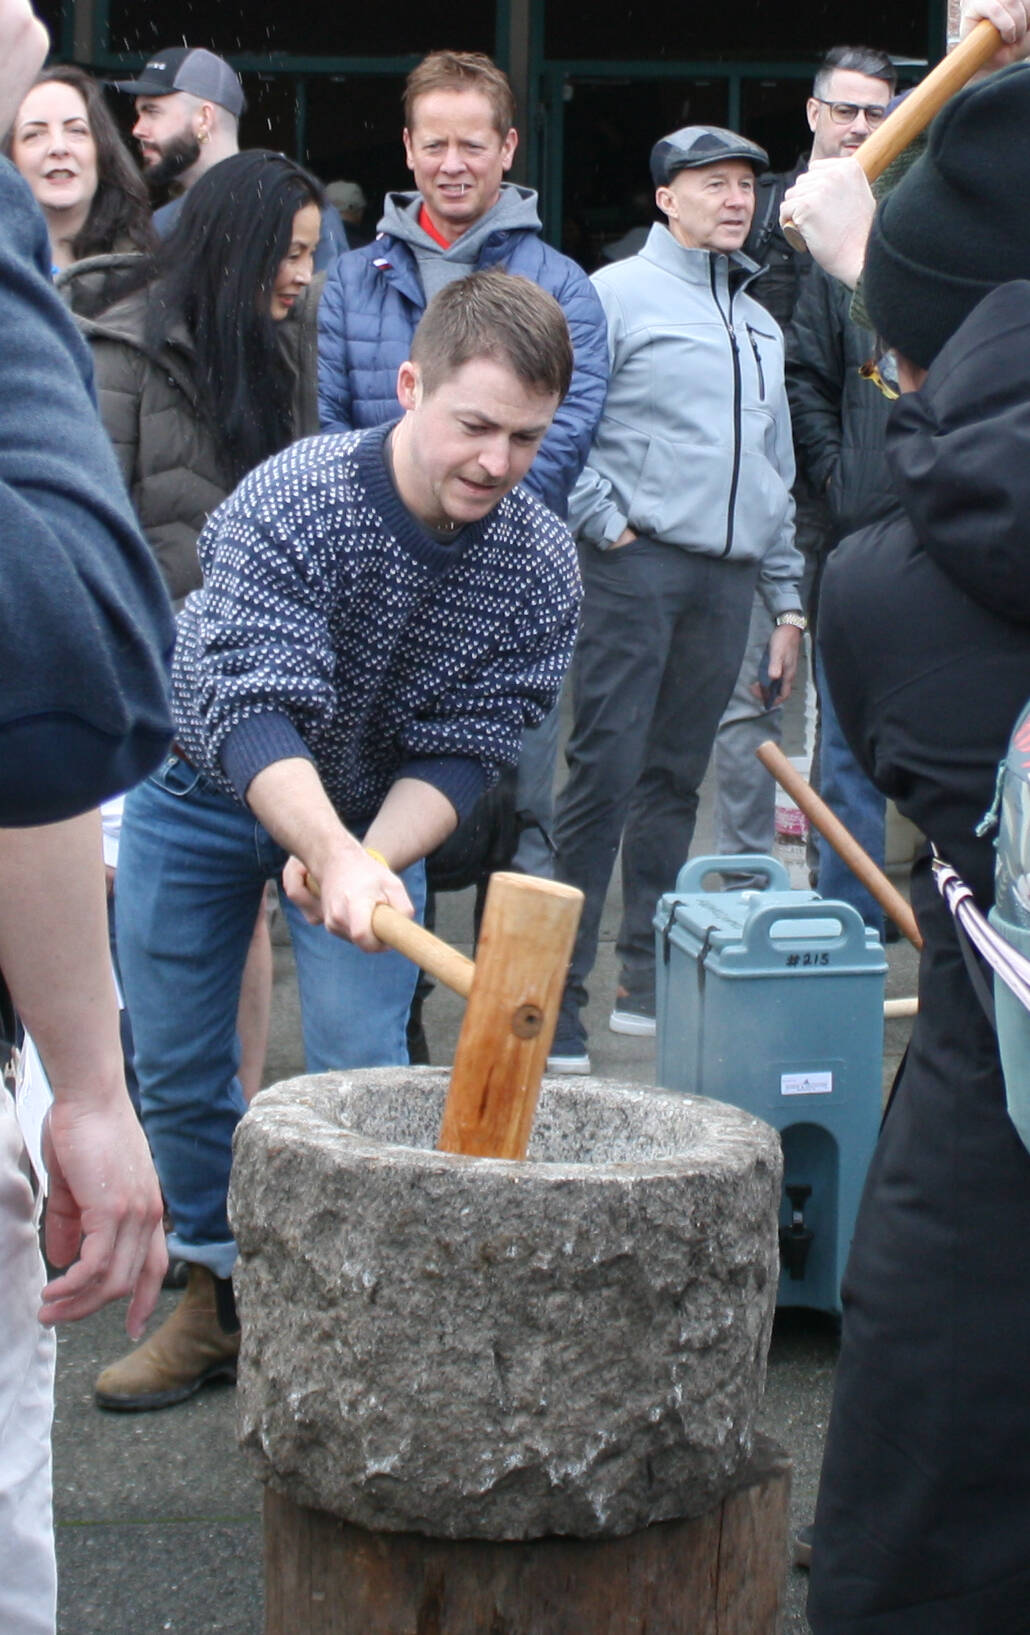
(722, 1573)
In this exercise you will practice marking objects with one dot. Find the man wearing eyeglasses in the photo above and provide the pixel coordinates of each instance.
(850, 96)
(849, 99)
(839, 424)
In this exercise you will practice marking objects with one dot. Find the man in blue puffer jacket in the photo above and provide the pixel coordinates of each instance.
(460, 141)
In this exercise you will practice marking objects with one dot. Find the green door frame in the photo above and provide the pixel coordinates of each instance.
(519, 48)
(548, 80)
(555, 76)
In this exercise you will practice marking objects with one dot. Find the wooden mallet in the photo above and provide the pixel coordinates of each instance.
(915, 113)
(514, 988)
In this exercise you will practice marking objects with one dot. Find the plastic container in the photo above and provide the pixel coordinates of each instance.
(772, 1000)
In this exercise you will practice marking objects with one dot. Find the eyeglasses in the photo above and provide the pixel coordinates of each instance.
(845, 113)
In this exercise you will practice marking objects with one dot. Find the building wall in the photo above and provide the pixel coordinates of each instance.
(595, 87)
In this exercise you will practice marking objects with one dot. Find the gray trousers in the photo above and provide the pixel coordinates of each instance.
(661, 641)
(745, 796)
(534, 795)
(745, 799)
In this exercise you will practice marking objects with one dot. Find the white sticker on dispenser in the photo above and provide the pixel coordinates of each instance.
(806, 1084)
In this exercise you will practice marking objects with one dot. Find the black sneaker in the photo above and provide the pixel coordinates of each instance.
(568, 1054)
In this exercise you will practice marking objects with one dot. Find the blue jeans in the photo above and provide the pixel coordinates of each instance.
(857, 802)
(191, 871)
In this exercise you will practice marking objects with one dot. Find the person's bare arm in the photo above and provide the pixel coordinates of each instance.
(413, 820)
(103, 1218)
(23, 47)
(289, 800)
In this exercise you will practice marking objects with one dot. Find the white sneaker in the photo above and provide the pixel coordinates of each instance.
(633, 1022)
(568, 1061)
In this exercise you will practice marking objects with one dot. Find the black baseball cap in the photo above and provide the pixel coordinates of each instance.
(697, 145)
(192, 69)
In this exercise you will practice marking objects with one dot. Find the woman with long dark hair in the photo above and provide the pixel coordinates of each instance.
(205, 364)
(67, 146)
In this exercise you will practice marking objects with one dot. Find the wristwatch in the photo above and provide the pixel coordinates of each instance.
(798, 620)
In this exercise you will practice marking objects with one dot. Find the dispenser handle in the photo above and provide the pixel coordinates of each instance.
(757, 933)
(691, 876)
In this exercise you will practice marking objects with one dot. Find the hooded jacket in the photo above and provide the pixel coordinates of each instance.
(374, 298)
(166, 445)
(925, 625)
(694, 446)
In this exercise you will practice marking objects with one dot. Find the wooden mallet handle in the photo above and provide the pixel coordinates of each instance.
(919, 107)
(435, 956)
(843, 842)
(412, 940)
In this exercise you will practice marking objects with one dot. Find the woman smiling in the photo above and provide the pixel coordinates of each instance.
(66, 145)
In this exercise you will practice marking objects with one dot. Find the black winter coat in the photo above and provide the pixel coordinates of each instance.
(923, 1519)
(839, 419)
(786, 269)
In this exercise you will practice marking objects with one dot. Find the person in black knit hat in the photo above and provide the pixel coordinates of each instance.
(958, 224)
(923, 1518)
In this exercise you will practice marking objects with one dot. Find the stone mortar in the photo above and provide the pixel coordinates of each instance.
(472, 1347)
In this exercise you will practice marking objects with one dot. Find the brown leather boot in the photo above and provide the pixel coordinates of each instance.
(197, 1343)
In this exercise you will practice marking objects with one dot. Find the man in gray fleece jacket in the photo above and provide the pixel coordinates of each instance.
(683, 507)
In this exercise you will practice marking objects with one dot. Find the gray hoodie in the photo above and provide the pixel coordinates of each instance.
(694, 445)
(515, 209)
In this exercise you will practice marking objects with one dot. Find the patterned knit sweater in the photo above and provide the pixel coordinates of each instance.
(333, 626)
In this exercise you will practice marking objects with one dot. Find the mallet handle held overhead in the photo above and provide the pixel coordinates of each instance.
(919, 107)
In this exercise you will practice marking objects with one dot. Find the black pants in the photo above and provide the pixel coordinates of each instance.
(662, 638)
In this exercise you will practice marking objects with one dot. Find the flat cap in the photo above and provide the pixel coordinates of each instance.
(697, 145)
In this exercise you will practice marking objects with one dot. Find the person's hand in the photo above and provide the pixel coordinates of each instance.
(24, 43)
(350, 884)
(832, 206)
(625, 538)
(103, 1212)
(784, 650)
(1012, 20)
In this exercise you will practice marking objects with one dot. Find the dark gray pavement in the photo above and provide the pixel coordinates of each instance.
(158, 1516)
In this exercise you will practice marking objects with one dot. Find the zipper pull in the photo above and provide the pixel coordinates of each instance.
(758, 363)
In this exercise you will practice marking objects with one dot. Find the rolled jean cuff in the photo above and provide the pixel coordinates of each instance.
(219, 1258)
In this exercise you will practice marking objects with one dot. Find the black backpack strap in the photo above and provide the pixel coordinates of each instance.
(772, 186)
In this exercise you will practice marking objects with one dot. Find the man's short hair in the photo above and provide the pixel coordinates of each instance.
(496, 315)
(461, 71)
(856, 59)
